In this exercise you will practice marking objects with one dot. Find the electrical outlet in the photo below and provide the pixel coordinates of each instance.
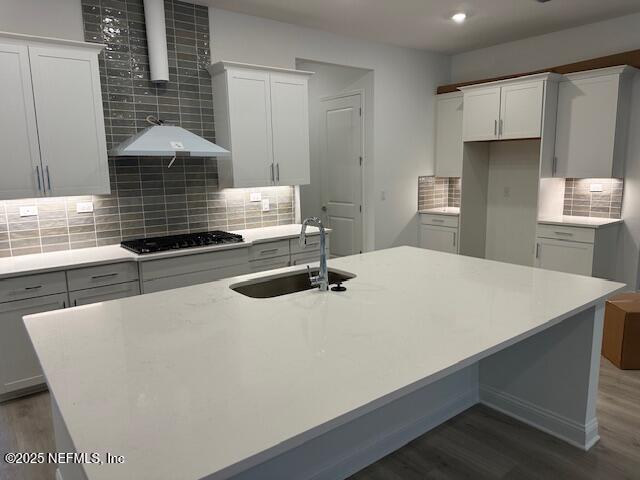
(595, 187)
(84, 207)
(30, 211)
(265, 205)
(255, 196)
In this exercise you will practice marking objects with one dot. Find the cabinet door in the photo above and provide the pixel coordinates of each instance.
(250, 128)
(20, 152)
(481, 114)
(442, 239)
(103, 294)
(290, 122)
(19, 366)
(66, 89)
(449, 145)
(521, 110)
(586, 126)
(563, 256)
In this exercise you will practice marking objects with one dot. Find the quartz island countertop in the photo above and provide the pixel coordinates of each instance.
(204, 381)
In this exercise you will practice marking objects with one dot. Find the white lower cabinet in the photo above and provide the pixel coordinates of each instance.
(19, 366)
(193, 278)
(439, 232)
(578, 250)
(102, 294)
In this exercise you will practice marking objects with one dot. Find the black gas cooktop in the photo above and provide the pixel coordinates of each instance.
(174, 242)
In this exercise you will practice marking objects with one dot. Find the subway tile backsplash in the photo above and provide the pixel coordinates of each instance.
(434, 192)
(580, 201)
(147, 197)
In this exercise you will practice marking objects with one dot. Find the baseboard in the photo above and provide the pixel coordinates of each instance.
(582, 436)
(381, 446)
(23, 392)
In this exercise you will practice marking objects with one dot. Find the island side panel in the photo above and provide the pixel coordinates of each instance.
(348, 448)
(550, 380)
(69, 471)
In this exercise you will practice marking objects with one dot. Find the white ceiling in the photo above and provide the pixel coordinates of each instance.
(426, 24)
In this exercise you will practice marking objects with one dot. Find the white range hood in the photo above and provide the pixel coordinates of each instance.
(167, 141)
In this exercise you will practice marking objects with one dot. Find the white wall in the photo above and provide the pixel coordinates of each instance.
(404, 83)
(47, 18)
(567, 46)
(328, 80)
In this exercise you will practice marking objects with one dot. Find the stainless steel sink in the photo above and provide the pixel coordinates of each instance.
(285, 284)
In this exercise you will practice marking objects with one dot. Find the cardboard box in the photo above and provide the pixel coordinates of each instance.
(621, 336)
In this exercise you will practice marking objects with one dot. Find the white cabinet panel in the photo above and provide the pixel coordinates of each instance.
(290, 121)
(591, 126)
(521, 110)
(194, 278)
(442, 239)
(103, 294)
(68, 100)
(21, 175)
(19, 366)
(481, 114)
(564, 256)
(449, 145)
(91, 277)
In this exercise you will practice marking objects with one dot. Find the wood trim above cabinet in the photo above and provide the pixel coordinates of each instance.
(631, 58)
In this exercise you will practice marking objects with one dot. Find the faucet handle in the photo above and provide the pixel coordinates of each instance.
(313, 280)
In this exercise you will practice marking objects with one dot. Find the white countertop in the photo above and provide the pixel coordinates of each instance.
(441, 211)
(84, 257)
(576, 221)
(198, 380)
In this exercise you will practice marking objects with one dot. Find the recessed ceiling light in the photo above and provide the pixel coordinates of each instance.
(459, 17)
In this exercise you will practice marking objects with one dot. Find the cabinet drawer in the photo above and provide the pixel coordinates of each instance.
(440, 220)
(269, 249)
(311, 247)
(102, 294)
(268, 263)
(31, 286)
(560, 232)
(194, 278)
(90, 277)
(304, 258)
(187, 264)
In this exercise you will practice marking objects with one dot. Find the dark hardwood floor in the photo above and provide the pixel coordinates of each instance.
(478, 444)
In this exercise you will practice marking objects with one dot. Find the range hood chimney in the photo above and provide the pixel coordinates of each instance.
(156, 40)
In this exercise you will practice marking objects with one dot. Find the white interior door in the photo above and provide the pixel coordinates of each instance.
(18, 131)
(342, 172)
(66, 89)
(290, 120)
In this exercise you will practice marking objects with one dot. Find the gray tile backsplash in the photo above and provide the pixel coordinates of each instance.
(434, 192)
(580, 201)
(147, 197)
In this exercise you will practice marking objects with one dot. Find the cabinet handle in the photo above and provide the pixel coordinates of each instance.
(106, 275)
(454, 238)
(38, 177)
(278, 172)
(500, 129)
(48, 177)
(566, 234)
(537, 250)
(64, 304)
(495, 127)
(75, 302)
(273, 178)
(554, 167)
(271, 250)
(35, 287)
(437, 220)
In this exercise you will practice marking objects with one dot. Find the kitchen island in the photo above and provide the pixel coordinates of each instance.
(205, 383)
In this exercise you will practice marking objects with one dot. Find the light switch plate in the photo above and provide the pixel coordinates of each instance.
(595, 187)
(255, 196)
(84, 207)
(30, 211)
(265, 205)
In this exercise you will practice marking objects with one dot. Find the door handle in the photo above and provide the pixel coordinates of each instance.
(38, 177)
(48, 177)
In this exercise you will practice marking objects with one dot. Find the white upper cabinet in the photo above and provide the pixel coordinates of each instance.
(262, 117)
(505, 109)
(592, 123)
(51, 121)
(481, 114)
(21, 178)
(449, 147)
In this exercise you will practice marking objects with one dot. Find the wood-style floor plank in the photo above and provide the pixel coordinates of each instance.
(479, 444)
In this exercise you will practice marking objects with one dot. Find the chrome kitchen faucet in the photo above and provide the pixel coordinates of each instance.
(322, 279)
